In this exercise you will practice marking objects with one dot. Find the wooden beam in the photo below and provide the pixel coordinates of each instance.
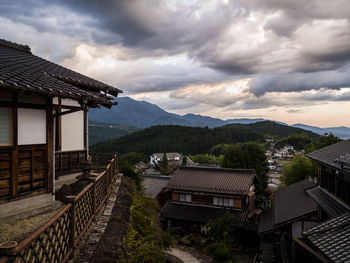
(85, 128)
(14, 154)
(49, 144)
(67, 112)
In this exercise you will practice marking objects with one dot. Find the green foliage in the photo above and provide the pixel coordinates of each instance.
(206, 159)
(127, 170)
(219, 251)
(299, 141)
(219, 149)
(322, 141)
(100, 132)
(164, 162)
(300, 168)
(144, 240)
(222, 233)
(194, 140)
(249, 155)
(132, 158)
(184, 160)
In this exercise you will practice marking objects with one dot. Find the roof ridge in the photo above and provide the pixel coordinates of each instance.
(14, 45)
(328, 227)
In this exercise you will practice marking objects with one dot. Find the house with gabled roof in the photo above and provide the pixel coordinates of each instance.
(43, 120)
(329, 241)
(199, 195)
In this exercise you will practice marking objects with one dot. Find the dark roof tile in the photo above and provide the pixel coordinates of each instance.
(23, 71)
(332, 238)
(208, 179)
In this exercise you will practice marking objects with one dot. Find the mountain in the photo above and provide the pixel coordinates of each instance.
(341, 132)
(193, 140)
(142, 114)
(99, 132)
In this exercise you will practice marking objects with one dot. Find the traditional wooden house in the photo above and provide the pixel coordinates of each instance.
(293, 212)
(173, 158)
(43, 120)
(199, 195)
(330, 240)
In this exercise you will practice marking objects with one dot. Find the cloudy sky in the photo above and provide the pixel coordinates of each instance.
(285, 60)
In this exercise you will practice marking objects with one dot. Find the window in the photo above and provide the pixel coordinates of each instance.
(185, 198)
(5, 126)
(227, 202)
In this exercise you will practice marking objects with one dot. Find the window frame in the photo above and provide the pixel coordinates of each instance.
(10, 110)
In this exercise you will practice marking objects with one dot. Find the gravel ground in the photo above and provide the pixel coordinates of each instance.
(20, 229)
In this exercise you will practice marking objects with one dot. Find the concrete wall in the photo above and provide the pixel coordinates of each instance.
(31, 126)
(73, 131)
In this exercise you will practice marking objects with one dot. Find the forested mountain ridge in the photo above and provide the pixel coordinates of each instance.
(194, 140)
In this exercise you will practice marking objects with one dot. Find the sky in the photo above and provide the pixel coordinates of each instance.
(283, 60)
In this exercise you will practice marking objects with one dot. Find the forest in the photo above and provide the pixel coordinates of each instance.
(196, 140)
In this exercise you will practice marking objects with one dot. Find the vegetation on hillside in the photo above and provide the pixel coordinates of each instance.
(194, 140)
(298, 141)
(145, 238)
(100, 132)
(299, 169)
(249, 156)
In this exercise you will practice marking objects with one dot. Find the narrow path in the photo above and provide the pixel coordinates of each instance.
(184, 256)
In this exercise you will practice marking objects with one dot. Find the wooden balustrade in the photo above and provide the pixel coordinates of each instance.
(56, 240)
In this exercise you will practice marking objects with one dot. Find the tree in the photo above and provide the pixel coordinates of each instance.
(219, 149)
(299, 169)
(249, 155)
(184, 160)
(323, 141)
(164, 163)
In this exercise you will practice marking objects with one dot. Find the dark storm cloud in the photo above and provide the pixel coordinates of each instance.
(307, 40)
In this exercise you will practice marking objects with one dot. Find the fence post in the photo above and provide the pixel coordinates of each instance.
(94, 204)
(72, 225)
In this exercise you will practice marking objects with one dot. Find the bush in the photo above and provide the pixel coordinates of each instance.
(144, 240)
(219, 251)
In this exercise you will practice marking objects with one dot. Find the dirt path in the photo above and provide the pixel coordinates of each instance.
(183, 256)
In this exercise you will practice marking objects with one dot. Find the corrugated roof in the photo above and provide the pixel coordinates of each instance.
(21, 70)
(292, 202)
(201, 214)
(332, 206)
(332, 238)
(209, 179)
(329, 154)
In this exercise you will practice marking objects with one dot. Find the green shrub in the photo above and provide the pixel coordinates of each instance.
(219, 251)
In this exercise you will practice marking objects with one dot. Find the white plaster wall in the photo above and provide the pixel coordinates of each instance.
(69, 102)
(73, 131)
(5, 95)
(31, 99)
(31, 126)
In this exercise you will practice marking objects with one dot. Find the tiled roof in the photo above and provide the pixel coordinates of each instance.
(332, 238)
(266, 222)
(329, 155)
(215, 180)
(21, 70)
(200, 214)
(332, 206)
(292, 202)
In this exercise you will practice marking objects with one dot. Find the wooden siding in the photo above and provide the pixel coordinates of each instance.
(69, 161)
(337, 184)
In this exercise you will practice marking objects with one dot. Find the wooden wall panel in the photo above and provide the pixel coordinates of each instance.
(5, 174)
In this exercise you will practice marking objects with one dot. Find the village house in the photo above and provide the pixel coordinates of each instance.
(173, 158)
(330, 240)
(293, 212)
(43, 121)
(199, 195)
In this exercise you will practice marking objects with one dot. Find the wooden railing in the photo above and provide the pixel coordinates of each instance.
(69, 161)
(56, 240)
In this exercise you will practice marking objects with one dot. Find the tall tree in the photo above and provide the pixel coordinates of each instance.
(299, 169)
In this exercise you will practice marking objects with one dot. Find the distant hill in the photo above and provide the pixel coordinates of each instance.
(192, 140)
(99, 132)
(142, 114)
(341, 132)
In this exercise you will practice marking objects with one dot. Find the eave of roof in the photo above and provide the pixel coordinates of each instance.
(21, 71)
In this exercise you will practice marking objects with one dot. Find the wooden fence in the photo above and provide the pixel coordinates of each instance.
(56, 240)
